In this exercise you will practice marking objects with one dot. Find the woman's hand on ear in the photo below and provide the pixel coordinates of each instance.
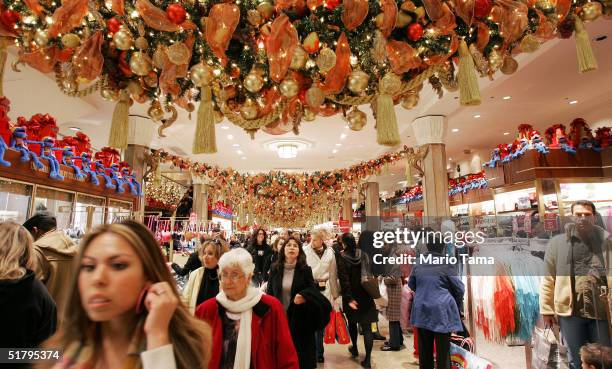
(161, 302)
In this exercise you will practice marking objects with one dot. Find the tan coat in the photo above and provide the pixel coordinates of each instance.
(54, 254)
(556, 288)
(192, 289)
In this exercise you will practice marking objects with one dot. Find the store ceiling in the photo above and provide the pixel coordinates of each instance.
(540, 91)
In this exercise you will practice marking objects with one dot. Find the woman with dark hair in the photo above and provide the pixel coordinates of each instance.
(307, 309)
(436, 307)
(262, 253)
(357, 304)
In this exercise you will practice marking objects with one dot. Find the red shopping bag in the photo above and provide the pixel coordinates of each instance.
(330, 329)
(342, 335)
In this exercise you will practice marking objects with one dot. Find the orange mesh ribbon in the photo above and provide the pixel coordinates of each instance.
(512, 18)
(562, 8)
(334, 82)
(298, 5)
(170, 71)
(465, 10)
(546, 29)
(220, 25)
(280, 46)
(434, 9)
(389, 9)
(42, 60)
(271, 96)
(446, 24)
(402, 56)
(452, 48)
(483, 36)
(118, 7)
(354, 13)
(154, 17)
(68, 16)
(88, 58)
(35, 6)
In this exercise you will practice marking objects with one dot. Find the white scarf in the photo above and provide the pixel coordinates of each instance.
(244, 307)
(320, 266)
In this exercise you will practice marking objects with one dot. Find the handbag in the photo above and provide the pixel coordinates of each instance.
(548, 353)
(368, 281)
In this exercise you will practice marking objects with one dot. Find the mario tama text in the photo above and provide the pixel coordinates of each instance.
(405, 236)
(431, 259)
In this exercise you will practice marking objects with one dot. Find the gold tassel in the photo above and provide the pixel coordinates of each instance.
(387, 132)
(205, 141)
(586, 58)
(469, 94)
(3, 55)
(409, 175)
(120, 124)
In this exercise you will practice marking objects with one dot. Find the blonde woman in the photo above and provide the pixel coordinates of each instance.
(203, 282)
(27, 311)
(123, 308)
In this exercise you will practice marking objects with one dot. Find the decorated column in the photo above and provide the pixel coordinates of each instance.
(200, 199)
(372, 203)
(140, 135)
(347, 210)
(431, 131)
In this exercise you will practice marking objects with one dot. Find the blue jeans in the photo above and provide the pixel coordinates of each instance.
(319, 343)
(578, 331)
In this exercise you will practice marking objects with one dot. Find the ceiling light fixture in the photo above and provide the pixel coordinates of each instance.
(76, 129)
(346, 127)
(477, 116)
(287, 151)
(244, 158)
(450, 159)
(224, 127)
(230, 137)
(236, 145)
(455, 130)
(343, 136)
(287, 148)
(334, 151)
(506, 97)
(338, 144)
(573, 102)
(506, 133)
(239, 152)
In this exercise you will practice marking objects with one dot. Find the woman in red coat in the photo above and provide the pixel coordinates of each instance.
(250, 329)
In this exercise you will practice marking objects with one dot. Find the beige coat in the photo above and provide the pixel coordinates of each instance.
(192, 288)
(324, 271)
(556, 288)
(54, 253)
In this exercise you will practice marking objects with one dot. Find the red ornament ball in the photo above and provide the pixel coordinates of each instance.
(9, 18)
(176, 13)
(331, 4)
(482, 8)
(113, 25)
(65, 55)
(415, 31)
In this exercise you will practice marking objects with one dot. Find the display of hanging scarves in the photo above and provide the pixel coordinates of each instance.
(504, 304)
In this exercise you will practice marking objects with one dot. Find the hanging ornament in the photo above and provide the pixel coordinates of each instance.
(356, 119)
(495, 60)
(314, 97)
(135, 88)
(140, 63)
(141, 43)
(415, 32)
(529, 43)
(109, 94)
(266, 10)
(591, 11)
(403, 19)
(410, 100)
(178, 53)
(71, 40)
(201, 75)
(299, 58)
(253, 82)
(289, 88)
(331, 4)
(311, 43)
(254, 17)
(482, 8)
(176, 13)
(309, 115)
(156, 112)
(249, 110)
(10, 18)
(123, 39)
(159, 57)
(326, 59)
(227, 92)
(151, 79)
(358, 81)
(113, 25)
(41, 37)
(509, 66)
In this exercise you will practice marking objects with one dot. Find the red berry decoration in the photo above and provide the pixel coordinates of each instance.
(9, 18)
(113, 25)
(176, 13)
(482, 8)
(415, 32)
(332, 4)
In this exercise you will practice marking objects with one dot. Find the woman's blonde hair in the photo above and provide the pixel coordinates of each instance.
(218, 247)
(16, 250)
(190, 337)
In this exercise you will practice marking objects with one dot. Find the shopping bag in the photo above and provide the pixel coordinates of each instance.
(383, 301)
(405, 307)
(330, 329)
(547, 351)
(342, 334)
(463, 359)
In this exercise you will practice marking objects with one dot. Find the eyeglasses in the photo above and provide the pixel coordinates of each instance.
(231, 276)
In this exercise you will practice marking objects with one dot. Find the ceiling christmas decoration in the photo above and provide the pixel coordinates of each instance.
(280, 198)
(262, 64)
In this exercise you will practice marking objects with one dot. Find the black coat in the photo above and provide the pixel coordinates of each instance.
(28, 315)
(306, 318)
(261, 258)
(192, 263)
(349, 274)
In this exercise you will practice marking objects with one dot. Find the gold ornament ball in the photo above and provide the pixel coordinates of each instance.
(41, 37)
(495, 60)
(326, 59)
(253, 82)
(151, 80)
(314, 97)
(403, 19)
(110, 94)
(201, 75)
(289, 88)
(190, 107)
(358, 81)
(156, 112)
(410, 100)
(356, 119)
(254, 17)
(509, 66)
(135, 88)
(379, 20)
(309, 115)
(123, 40)
(299, 58)
(591, 11)
(390, 84)
(141, 43)
(265, 9)
(529, 43)
(178, 53)
(159, 57)
(140, 63)
(71, 40)
(249, 110)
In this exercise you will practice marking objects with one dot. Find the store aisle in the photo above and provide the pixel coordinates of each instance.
(337, 357)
